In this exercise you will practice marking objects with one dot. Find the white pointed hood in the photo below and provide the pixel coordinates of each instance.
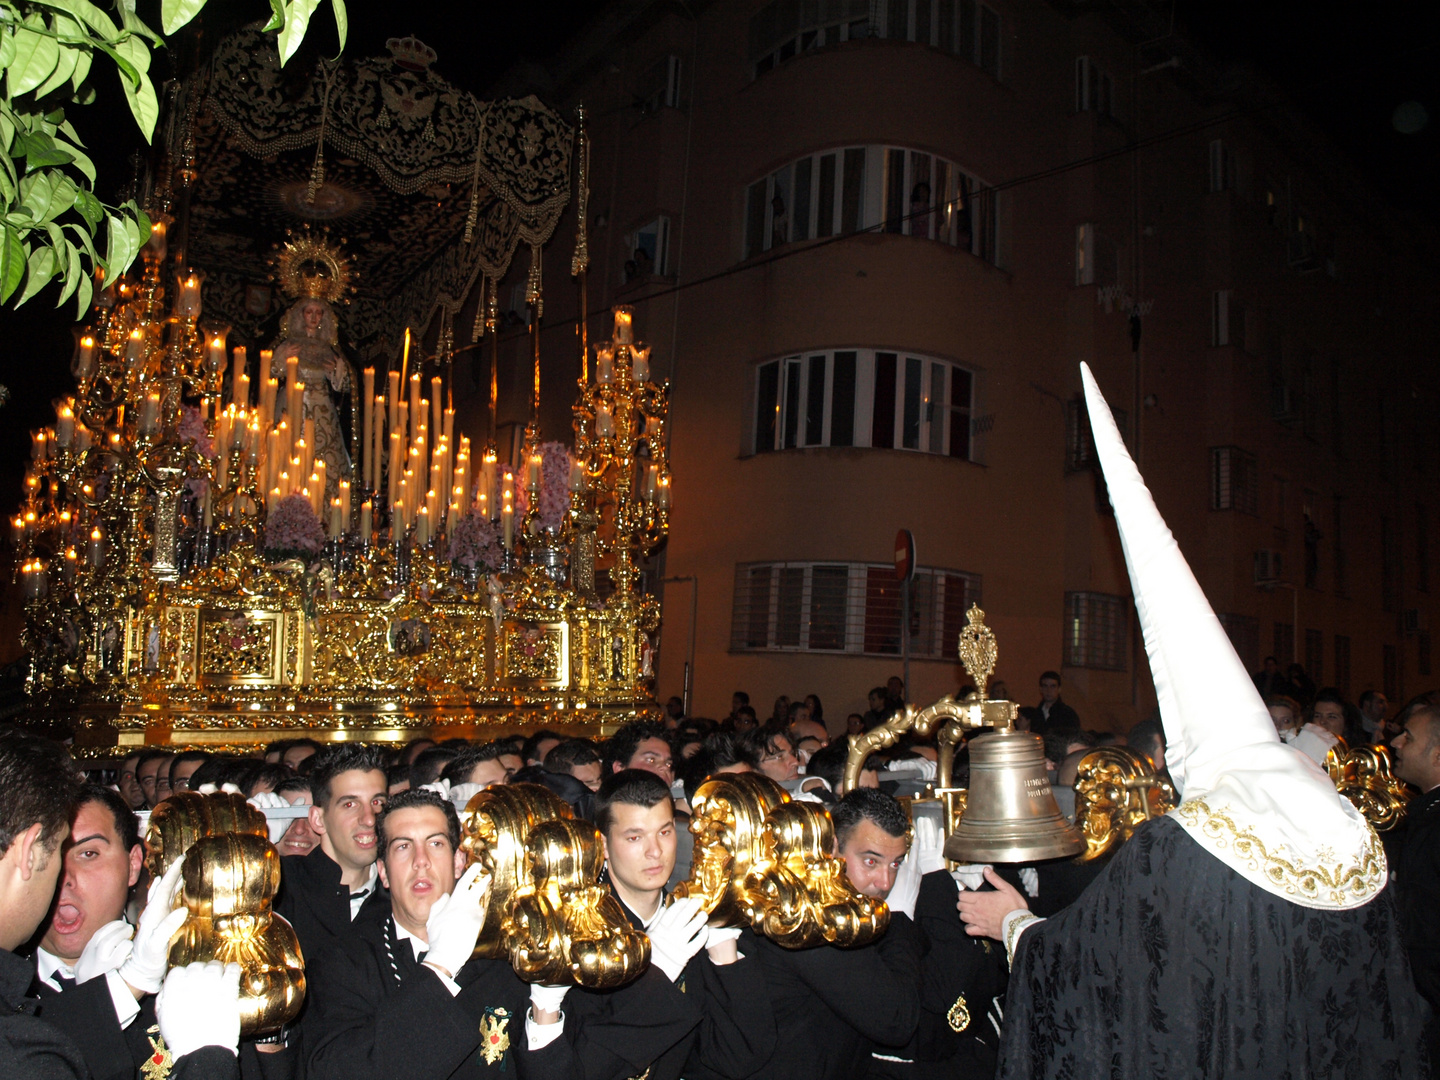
(1262, 808)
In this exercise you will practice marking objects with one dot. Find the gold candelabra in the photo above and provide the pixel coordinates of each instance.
(162, 608)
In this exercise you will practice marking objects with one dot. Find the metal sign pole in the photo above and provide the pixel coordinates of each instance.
(905, 636)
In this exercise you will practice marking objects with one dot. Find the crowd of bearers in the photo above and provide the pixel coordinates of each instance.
(374, 883)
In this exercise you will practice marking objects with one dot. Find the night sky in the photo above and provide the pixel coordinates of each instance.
(1368, 74)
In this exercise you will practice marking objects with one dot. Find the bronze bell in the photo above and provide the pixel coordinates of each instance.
(1010, 813)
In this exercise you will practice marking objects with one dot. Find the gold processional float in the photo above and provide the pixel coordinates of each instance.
(193, 578)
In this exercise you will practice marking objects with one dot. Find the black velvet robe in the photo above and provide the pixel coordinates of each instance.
(1172, 965)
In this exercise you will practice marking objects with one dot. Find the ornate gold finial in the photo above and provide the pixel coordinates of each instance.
(310, 265)
(978, 650)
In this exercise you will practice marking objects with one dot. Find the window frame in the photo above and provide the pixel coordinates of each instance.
(1086, 650)
(865, 613)
(852, 186)
(795, 396)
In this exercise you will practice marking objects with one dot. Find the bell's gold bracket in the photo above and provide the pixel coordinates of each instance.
(978, 653)
(1116, 791)
(1363, 776)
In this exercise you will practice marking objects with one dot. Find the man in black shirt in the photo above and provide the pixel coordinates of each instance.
(37, 788)
(834, 1007)
(1415, 853)
(322, 893)
(713, 967)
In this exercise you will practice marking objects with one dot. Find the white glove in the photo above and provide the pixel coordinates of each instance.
(677, 934)
(461, 794)
(970, 875)
(1314, 742)
(455, 920)
(921, 768)
(211, 789)
(718, 935)
(268, 800)
(1030, 878)
(906, 889)
(440, 787)
(545, 998)
(159, 922)
(928, 847)
(107, 949)
(199, 1005)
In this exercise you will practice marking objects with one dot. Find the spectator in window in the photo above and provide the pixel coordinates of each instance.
(644, 263)
(920, 210)
(1271, 681)
(1302, 685)
(780, 715)
(1373, 708)
(779, 221)
(1055, 715)
(632, 270)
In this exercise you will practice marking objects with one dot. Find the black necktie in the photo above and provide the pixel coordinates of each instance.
(63, 982)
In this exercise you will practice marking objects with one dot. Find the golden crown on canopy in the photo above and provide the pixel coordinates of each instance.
(310, 265)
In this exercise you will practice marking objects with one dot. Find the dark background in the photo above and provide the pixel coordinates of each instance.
(1350, 68)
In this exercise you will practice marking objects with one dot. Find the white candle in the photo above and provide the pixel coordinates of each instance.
(85, 362)
(624, 325)
(95, 553)
(577, 475)
(366, 521)
(507, 525)
(336, 519)
(604, 421)
(135, 349)
(604, 363)
(64, 425)
(640, 363)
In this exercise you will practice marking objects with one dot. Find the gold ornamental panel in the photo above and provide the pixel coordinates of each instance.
(534, 656)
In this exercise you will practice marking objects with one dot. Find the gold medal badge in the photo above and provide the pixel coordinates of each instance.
(494, 1039)
(157, 1065)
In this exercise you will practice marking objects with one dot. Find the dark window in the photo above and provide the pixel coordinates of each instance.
(989, 59)
(788, 612)
(882, 432)
(894, 191)
(1342, 664)
(842, 400)
(852, 209)
(825, 212)
(756, 608)
(815, 402)
(1096, 631)
(1315, 656)
(882, 611)
(767, 405)
(792, 403)
(1234, 480)
(802, 199)
(755, 219)
(829, 601)
(961, 389)
(910, 416)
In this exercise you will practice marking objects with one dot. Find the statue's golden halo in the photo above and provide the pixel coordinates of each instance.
(310, 265)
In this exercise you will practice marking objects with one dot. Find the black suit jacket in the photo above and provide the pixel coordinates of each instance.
(832, 1006)
(1062, 718)
(376, 1014)
(317, 905)
(736, 1033)
(960, 974)
(1414, 855)
(37, 1049)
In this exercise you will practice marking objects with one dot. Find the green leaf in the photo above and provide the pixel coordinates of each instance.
(12, 262)
(176, 13)
(89, 208)
(127, 69)
(277, 16)
(83, 295)
(41, 267)
(342, 21)
(7, 132)
(7, 48)
(40, 151)
(136, 25)
(122, 245)
(73, 273)
(79, 159)
(141, 96)
(65, 63)
(47, 194)
(83, 60)
(88, 14)
(297, 20)
(35, 57)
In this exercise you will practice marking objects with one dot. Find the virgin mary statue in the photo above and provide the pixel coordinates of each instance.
(313, 271)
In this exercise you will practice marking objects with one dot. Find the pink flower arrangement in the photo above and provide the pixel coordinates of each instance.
(555, 462)
(475, 541)
(293, 528)
(192, 430)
